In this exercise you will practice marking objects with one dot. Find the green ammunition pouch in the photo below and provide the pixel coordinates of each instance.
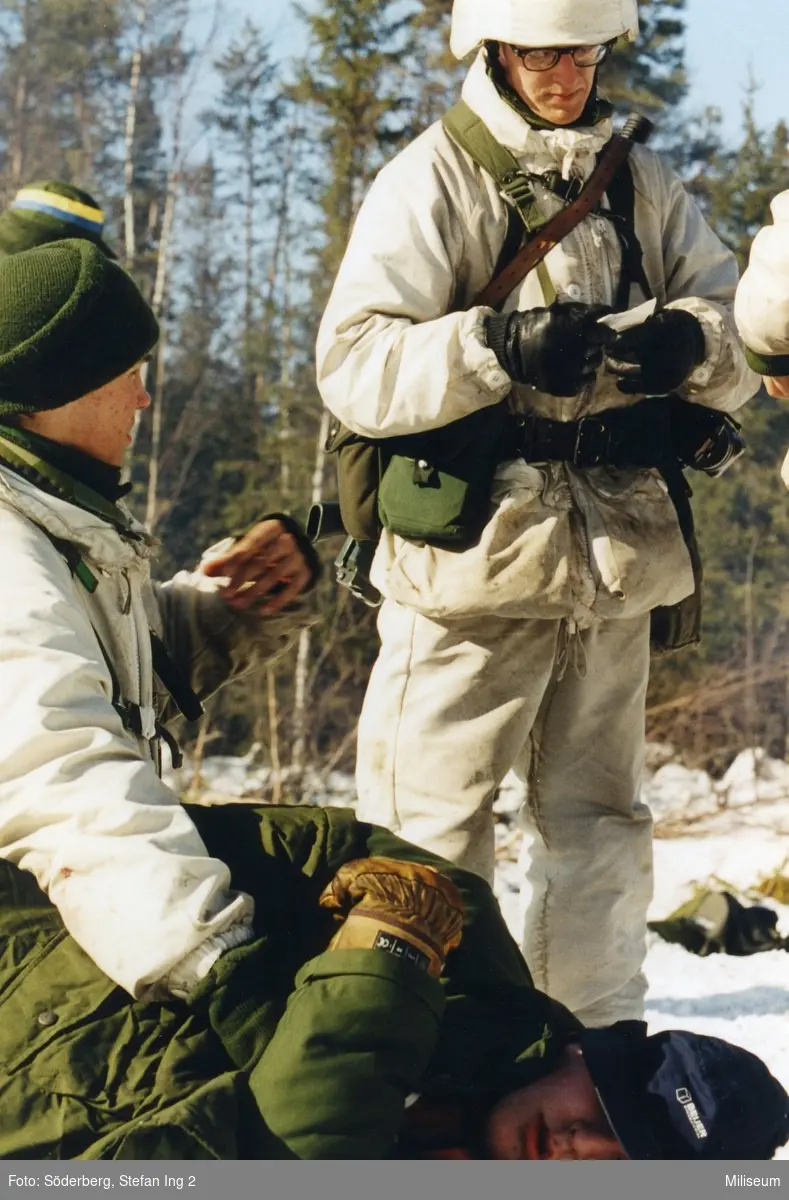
(429, 487)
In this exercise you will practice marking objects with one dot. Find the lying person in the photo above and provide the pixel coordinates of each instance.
(382, 1010)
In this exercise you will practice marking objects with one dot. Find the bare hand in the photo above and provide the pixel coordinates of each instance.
(267, 557)
(777, 386)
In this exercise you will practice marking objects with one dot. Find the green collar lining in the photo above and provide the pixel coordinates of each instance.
(17, 455)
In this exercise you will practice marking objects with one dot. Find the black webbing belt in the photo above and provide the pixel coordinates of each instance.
(647, 434)
(614, 438)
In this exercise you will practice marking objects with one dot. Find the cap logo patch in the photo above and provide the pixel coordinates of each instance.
(691, 1112)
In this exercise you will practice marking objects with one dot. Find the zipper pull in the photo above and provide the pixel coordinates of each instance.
(126, 607)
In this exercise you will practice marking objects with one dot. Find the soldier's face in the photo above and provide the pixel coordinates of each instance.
(116, 406)
(99, 423)
(558, 95)
(557, 1117)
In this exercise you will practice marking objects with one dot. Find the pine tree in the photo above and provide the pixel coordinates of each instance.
(57, 112)
(352, 85)
(247, 121)
(739, 184)
(198, 472)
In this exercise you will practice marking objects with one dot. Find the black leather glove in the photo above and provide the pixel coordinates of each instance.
(656, 358)
(556, 349)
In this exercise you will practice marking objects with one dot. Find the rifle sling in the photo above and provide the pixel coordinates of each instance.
(541, 243)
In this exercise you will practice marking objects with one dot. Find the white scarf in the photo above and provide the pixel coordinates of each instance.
(572, 151)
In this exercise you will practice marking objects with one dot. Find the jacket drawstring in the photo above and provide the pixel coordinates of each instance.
(570, 650)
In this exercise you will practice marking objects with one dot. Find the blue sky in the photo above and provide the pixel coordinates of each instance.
(726, 39)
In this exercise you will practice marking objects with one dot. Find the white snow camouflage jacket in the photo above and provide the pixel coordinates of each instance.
(81, 803)
(399, 351)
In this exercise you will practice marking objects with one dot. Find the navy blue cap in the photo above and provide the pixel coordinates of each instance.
(685, 1095)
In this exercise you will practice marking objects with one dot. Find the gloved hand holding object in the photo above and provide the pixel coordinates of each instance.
(558, 349)
(402, 908)
(656, 357)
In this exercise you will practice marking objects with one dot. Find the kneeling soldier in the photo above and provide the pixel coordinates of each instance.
(94, 658)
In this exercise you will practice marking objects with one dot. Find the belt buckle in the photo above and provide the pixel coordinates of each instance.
(593, 431)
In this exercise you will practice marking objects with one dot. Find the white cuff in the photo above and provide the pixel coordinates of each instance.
(712, 325)
(187, 973)
(479, 357)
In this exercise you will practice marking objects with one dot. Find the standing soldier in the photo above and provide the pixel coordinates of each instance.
(527, 645)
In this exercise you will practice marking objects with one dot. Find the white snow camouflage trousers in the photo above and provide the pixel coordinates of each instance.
(453, 705)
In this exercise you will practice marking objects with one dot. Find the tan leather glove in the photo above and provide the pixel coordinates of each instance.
(404, 909)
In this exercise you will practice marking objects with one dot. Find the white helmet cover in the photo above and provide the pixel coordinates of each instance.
(540, 22)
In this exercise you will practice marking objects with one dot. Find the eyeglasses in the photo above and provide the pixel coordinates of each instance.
(546, 57)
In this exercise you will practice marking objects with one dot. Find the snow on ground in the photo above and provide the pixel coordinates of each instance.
(733, 831)
(743, 837)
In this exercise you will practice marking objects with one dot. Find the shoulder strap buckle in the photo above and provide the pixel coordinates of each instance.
(574, 187)
(517, 188)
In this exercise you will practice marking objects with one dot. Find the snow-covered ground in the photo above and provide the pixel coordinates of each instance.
(734, 831)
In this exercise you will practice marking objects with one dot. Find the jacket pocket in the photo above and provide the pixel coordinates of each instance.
(81, 1062)
(520, 567)
(636, 549)
(56, 993)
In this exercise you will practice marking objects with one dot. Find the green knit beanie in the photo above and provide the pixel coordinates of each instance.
(49, 210)
(71, 320)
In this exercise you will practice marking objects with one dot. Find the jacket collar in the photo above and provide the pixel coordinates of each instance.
(107, 545)
(571, 151)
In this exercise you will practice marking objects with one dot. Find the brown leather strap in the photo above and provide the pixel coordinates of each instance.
(617, 150)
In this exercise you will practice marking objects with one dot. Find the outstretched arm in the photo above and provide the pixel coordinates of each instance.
(242, 606)
(362, 1029)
